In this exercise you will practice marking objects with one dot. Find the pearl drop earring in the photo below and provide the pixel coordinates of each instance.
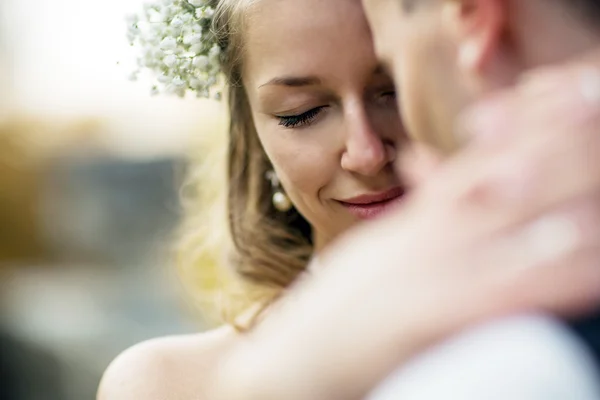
(281, 201)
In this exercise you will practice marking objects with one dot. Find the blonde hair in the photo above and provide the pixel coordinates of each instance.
(263, 250)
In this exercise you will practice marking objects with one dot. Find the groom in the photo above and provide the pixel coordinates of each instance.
(447, 55)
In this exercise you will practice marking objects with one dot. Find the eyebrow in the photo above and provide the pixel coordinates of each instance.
(300, 81)
(293, 81)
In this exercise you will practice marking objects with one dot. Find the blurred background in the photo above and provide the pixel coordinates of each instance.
(90, 166)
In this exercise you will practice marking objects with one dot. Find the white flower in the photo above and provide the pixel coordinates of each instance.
(177, 23)
(195, 28)
(186, 17)
(162, 78)
(168, 43)
(207, 12)
(174, 32)
(156, 32)
(214, 52)
(166, 13)
(185, 63)
(195, 38)
(178, 82)
(201, 62)
(170, 60)
(204, 93)
(176, 90)
(195, 83)
(196, 48)
(158, 54)
(175, 42)
(132, 19)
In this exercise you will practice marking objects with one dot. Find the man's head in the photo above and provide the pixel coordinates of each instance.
(445, 54)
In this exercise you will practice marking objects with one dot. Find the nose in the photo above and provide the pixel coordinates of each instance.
(367, 150)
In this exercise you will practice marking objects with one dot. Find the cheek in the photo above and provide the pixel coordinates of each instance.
(303, 160)
(419, 80)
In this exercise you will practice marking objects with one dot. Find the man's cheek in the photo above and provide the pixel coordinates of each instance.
(410, 106)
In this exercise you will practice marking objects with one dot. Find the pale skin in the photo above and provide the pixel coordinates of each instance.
(446, 54)
(439, 265)
(325, 113)
(345, 150)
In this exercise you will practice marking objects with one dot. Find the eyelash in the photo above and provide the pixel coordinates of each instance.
(305, 119)
(389, 95)
(296, 121)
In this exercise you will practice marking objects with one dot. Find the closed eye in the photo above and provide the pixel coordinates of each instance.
(301, 120)
(389, 94)
(386, 98)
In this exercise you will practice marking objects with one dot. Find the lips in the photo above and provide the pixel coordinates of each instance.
(372, 205)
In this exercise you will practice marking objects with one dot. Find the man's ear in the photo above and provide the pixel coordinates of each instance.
(478, 28)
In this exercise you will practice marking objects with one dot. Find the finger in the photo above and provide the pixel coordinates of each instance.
(485, 122)
(554, 158)
(552, 263)
(496, 118)
(544, 173)
(581, 75)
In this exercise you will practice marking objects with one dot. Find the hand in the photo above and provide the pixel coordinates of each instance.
(509, 225)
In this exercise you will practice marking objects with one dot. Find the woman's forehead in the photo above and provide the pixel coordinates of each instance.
(286, 19)
(299, 37)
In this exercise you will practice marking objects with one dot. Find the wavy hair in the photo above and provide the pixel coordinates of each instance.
(231, 229)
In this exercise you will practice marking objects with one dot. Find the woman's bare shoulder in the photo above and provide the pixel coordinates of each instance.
(170, 368)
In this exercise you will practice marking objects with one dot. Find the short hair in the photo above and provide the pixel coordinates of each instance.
(588, 10)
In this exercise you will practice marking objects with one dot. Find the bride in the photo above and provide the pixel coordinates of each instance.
(313, 143)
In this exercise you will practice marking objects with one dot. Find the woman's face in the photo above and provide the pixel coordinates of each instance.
(324, 110)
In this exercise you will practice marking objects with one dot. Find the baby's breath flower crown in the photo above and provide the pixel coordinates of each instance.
(176, 43)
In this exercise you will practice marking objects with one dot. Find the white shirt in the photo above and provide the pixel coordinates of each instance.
(524, 358)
